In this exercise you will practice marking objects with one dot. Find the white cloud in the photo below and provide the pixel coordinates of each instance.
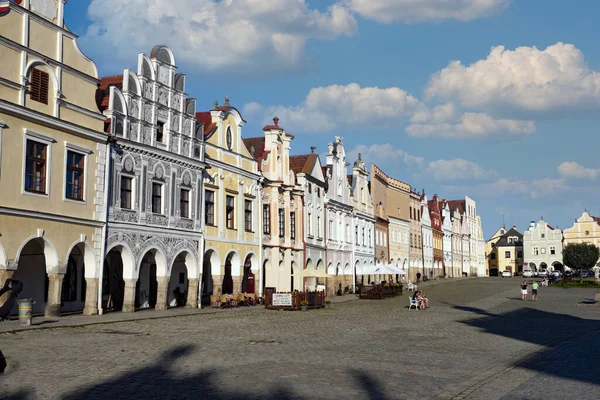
(471, 125)
(216, 34)
(353, 107)
(503, 187)
(382, 154)
(387, 11)
(458, 169)
(525, 80)
(573, 170)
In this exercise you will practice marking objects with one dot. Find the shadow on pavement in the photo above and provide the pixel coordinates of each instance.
(571, 342)
(159, 381)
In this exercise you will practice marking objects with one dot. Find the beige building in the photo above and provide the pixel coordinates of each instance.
(416, 236)
(52, 160)
(491, 257)
(585, 230)
(232, 206)
(509, 251)
(283, 214)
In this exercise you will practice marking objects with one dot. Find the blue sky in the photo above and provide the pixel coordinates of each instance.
(414, 86)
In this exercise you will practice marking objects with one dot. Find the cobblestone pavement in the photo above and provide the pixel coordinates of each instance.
(477, 341)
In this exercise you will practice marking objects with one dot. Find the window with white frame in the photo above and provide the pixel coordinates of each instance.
(36, 157)
(248, 215)
(126, 192)
(309, 224)
(552, 250)
(157, 195)
(184, 203)
(536, 251)
(74, 180)
(293, 225)
(319, 226)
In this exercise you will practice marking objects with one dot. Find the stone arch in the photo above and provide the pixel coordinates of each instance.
(162, 268)
(330, 269)
(191, 262)
(309, 264)
(320, 265)
(132, 83)
(129, 268)
(557, 265)
(50, 253)
(532, 266)
(90, 262)
(180, 291)
(234, 258)
(251, 268)
(3, 258)
(163, 54)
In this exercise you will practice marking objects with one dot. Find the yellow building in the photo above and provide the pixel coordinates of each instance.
(585, 230)
(52, 160)
(491, 257)
(232, 206)
(509, 252)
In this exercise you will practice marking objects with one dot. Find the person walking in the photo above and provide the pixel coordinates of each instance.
(418, 277)
(524, 291)
(534, 291)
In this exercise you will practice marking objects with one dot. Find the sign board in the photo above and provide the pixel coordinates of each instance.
(282, 299)
(320, 288)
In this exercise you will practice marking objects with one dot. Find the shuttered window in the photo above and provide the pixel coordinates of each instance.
(39, 86)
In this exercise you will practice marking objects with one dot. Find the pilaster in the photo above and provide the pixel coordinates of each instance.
(129, 295)
(54, 295)
(162, 292)
(217, 285)
(192, 296)
(91, 297)
(237, 284)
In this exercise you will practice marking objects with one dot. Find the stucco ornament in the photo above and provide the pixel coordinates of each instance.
(186, 179)
(148, 91)
(159, 172)
(128, 164)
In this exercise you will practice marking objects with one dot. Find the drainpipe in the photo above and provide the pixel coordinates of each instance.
(107, 185)
(260, 237)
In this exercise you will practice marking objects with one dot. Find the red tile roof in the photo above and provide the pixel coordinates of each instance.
(454, 204)
(256, 148)
(206, 119)
(103, 91)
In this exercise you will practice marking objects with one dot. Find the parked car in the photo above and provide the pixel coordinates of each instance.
(589, 273)
(569, 274)
(506, 274)
(556, 274)
(527, 273)
(542, 272)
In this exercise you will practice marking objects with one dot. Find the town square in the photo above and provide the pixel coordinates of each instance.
(299, 199)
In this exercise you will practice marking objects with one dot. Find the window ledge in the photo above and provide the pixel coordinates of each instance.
(37, 194)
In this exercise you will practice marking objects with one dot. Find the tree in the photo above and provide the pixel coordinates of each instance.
(580, 256)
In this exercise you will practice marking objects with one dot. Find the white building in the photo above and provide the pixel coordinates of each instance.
(480, 250)
(363, 247)
(154, 236)
(542, 247)
(427, 233)
(309, 176)
(339, 217)
(447, 241)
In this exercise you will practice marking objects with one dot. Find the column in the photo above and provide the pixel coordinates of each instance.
(162, 294)
(91, 296)
(192, 296)
(129, 295)
(237, 284)
(217, 285)
(4, 275)
(54, 295)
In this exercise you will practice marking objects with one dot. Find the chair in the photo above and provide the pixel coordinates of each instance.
(223, 301)
(413, 303)
(214, 301)
(410, 287)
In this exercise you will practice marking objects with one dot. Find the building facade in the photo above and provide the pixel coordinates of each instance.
(416, 236)
(309, 176)
(427, 234)
(339, 217)
(509, 251)
(154, 227)
(491, 254)
(585, 230)
(52, 161)
(232, 207)
(542, 247)
(457, 242)
(480, 250)
(447, 241)
(435, 216)
(363, 248)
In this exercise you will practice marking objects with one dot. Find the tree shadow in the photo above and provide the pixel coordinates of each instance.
(571, 350)
(21, 395)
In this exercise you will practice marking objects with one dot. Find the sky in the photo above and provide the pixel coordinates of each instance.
(495, 99)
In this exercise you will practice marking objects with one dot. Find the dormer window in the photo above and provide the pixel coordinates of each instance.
(160, 127)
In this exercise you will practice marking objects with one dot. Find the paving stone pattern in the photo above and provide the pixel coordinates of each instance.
(477, 341)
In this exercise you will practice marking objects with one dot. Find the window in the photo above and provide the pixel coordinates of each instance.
(209, 207)
(293, 225)
(412, 240)
(519, 254)
(248, 215)
(536, 251)
(229, 139)
(318, 192)
(281, 222)
(493, 256)
(330, 229)
(543, 250)
(411, 214)
(160, 127)
(229, 211)
(543, 235)
(75, 168)
(362, 195)
(35, 169)
(126, 192)
(363, 236)
(184, 203)
(309, 225)
(310, 188)
(266, 219)
(370, 241)
(38, 91)
(319, 226)
(356, 234)
(507, 254)
(348, 234)
(552, 250)
(157, 198)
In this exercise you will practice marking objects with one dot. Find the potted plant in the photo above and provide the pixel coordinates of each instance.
(304, 305)
(327, 303)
